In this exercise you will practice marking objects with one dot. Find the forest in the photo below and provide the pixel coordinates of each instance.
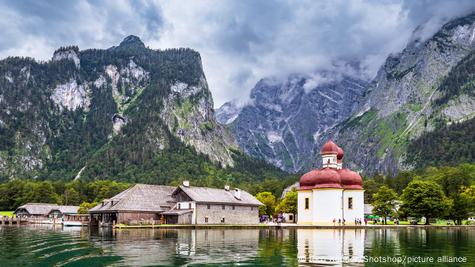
(435, 192)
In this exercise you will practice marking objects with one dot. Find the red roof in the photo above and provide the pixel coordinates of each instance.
(330, 177)
(340, 154)
(329, 148)
(323, 178)
(350, 179)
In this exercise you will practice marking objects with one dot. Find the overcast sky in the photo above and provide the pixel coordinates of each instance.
(239, 41)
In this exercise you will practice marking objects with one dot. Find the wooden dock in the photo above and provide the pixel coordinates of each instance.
(12, 221)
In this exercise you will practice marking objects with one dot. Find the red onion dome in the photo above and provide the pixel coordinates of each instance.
(307, 181)
(328, 178)
(329, 148)
(340, 154)
(350, 179)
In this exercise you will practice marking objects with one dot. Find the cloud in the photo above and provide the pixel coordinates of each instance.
(241, 41)
(37, 28)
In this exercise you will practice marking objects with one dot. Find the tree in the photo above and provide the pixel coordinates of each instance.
(384, 202)
(269, 203)
(469, 194)
(424, 199)
(86, 206)
(371, 187)
(289, 203)
(461, 206)
(71, 197)
(43, 192)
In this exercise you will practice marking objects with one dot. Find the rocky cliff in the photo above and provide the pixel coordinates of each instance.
(121, 106)
(428, 85)
(287, 121)
(407, 96)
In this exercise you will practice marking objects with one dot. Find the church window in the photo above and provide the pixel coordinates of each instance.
(350, 203)
(307, 203)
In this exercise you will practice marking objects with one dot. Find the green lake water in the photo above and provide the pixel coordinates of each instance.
(48, 246)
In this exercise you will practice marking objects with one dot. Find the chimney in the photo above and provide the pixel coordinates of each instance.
(226, 187)
(186, 183)
(237, 193)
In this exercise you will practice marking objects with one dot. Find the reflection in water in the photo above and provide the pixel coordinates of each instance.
(50, 246)
(331, 246)
(166, 246)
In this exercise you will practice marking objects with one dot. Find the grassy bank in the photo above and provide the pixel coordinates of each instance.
(6, 213)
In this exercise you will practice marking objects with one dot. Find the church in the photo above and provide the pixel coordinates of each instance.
(330, 193)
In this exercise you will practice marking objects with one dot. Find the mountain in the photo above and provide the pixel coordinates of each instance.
(227, 113)
(123, 113)
(427, 86)
(286, 122)
(422, 94)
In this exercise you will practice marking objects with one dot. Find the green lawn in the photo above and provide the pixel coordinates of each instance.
(6, 213)
(438, 223)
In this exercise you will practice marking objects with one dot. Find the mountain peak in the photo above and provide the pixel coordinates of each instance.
(132, 40)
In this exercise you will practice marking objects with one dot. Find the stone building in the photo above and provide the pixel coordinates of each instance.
(330, 193)
(158, 204)
(204, 205)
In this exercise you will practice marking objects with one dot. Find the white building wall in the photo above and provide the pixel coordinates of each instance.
(329, 161)
(326, 206)
(357, 212)
(304, 215)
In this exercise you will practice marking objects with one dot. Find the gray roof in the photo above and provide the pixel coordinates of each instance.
(140, 197)
(66, 209)
(37, 208)
(215, 195)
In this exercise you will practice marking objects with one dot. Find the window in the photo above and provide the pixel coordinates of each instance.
(252, 208)
(291, 217)
(234, 207)
(209, 206)
(189, 206)
(179, 206)
(350, 203)
(206, 219)
(307, 203)
(222, 220)
(223, 206)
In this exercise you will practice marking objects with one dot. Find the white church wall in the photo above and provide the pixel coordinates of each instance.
(304, 215)
(327, 205)
(357, 211)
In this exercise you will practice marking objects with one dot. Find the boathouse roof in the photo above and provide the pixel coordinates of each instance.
(65, 209)
(45, 208)
(141, 198)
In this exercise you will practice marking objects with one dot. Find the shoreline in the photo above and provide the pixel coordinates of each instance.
(287, 226)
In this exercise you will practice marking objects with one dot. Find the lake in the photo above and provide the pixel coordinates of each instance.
(48, 246)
